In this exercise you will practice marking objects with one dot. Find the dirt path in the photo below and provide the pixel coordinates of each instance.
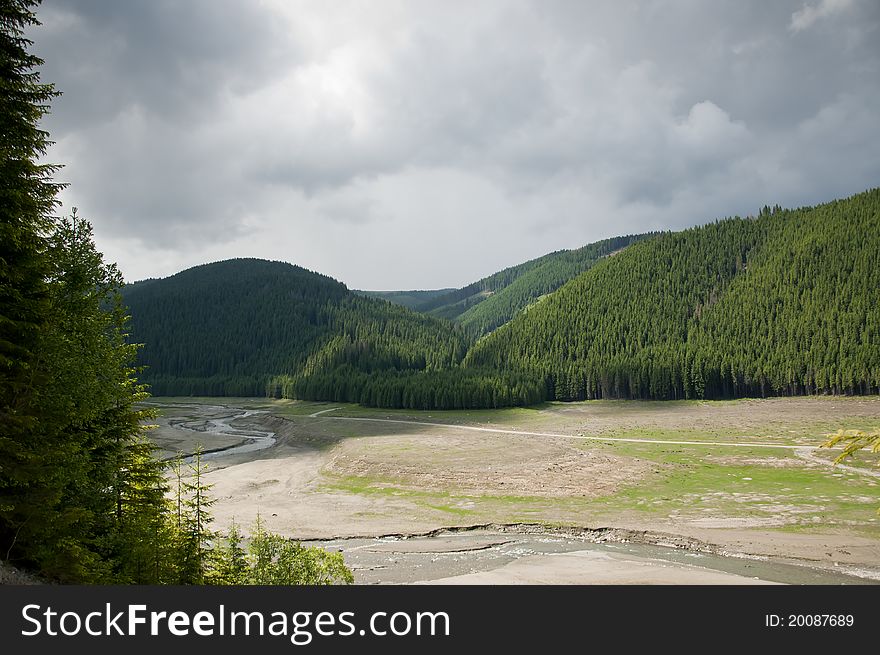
(323, 411)
(809, 454)
(525, 433)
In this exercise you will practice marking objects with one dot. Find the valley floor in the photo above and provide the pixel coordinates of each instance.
(602, 491)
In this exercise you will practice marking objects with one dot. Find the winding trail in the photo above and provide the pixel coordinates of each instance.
(804, 452)
(524, 433)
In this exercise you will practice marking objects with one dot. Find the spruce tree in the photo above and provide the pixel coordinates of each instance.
(27, 200)
(196, 537)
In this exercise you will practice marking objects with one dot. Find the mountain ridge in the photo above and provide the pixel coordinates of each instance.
(781, 303)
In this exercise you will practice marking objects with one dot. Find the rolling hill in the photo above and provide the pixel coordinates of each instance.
(482, 306)
(411, 299)
(543, 277)
(227, 328)
(782, 303)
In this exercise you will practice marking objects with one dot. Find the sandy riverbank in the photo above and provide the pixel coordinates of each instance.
(327, 477)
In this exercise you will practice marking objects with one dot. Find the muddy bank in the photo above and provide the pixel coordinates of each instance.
(186, 426)
(536, 555)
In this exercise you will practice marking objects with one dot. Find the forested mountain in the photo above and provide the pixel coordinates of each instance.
(226, 328)
(482, 306)
(547, 274)
(783, 303)
(411, 299)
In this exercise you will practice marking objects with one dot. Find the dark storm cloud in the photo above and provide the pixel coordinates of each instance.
(495, 131)
(140, 81)
(171, 59)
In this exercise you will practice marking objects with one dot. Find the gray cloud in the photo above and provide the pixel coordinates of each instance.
(174, 60)
(804, 17)
(427, 144)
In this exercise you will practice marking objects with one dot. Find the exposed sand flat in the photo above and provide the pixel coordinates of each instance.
(596, 568)
(332, 477)
(486, 464)
(827, 549)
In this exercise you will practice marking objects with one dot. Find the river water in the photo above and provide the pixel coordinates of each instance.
(395, 560)
(255, 440)
(401, 560)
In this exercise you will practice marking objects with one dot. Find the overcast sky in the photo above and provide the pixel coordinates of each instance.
(401, 145)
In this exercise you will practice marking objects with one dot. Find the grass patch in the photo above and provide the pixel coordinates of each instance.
(451, 416)
(509, 508)
(450, 509)
(809, 434)
(695, 486)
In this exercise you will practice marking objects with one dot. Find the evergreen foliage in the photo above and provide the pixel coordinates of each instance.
(227, 328)
(178, 546)
(27, 200)
(82, 496)
(203, 556)
(854, 441)
(546, 275)
(76, 485)
(455, 388)
(778, 304)
(483, 305)
(781, 304)
(409, 299)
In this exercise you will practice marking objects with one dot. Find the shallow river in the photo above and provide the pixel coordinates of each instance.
(394, 560)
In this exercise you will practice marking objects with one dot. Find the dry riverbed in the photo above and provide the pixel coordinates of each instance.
(603, 492)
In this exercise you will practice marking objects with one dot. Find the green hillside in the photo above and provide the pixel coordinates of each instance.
(453, 304)
(482, 306)
(545, 276)
(785, 303)
(227, 328)
(782, 303)
(411, 299)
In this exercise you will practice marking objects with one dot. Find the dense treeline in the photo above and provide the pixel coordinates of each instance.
(438, 389)
(410, 299)
(78, 489)
(483, 305)
(547, 275)
(781, 303)
(82, 497)
(225, 328)
(252, 327)
(454, 303)
(226, 323)
(784, 303)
